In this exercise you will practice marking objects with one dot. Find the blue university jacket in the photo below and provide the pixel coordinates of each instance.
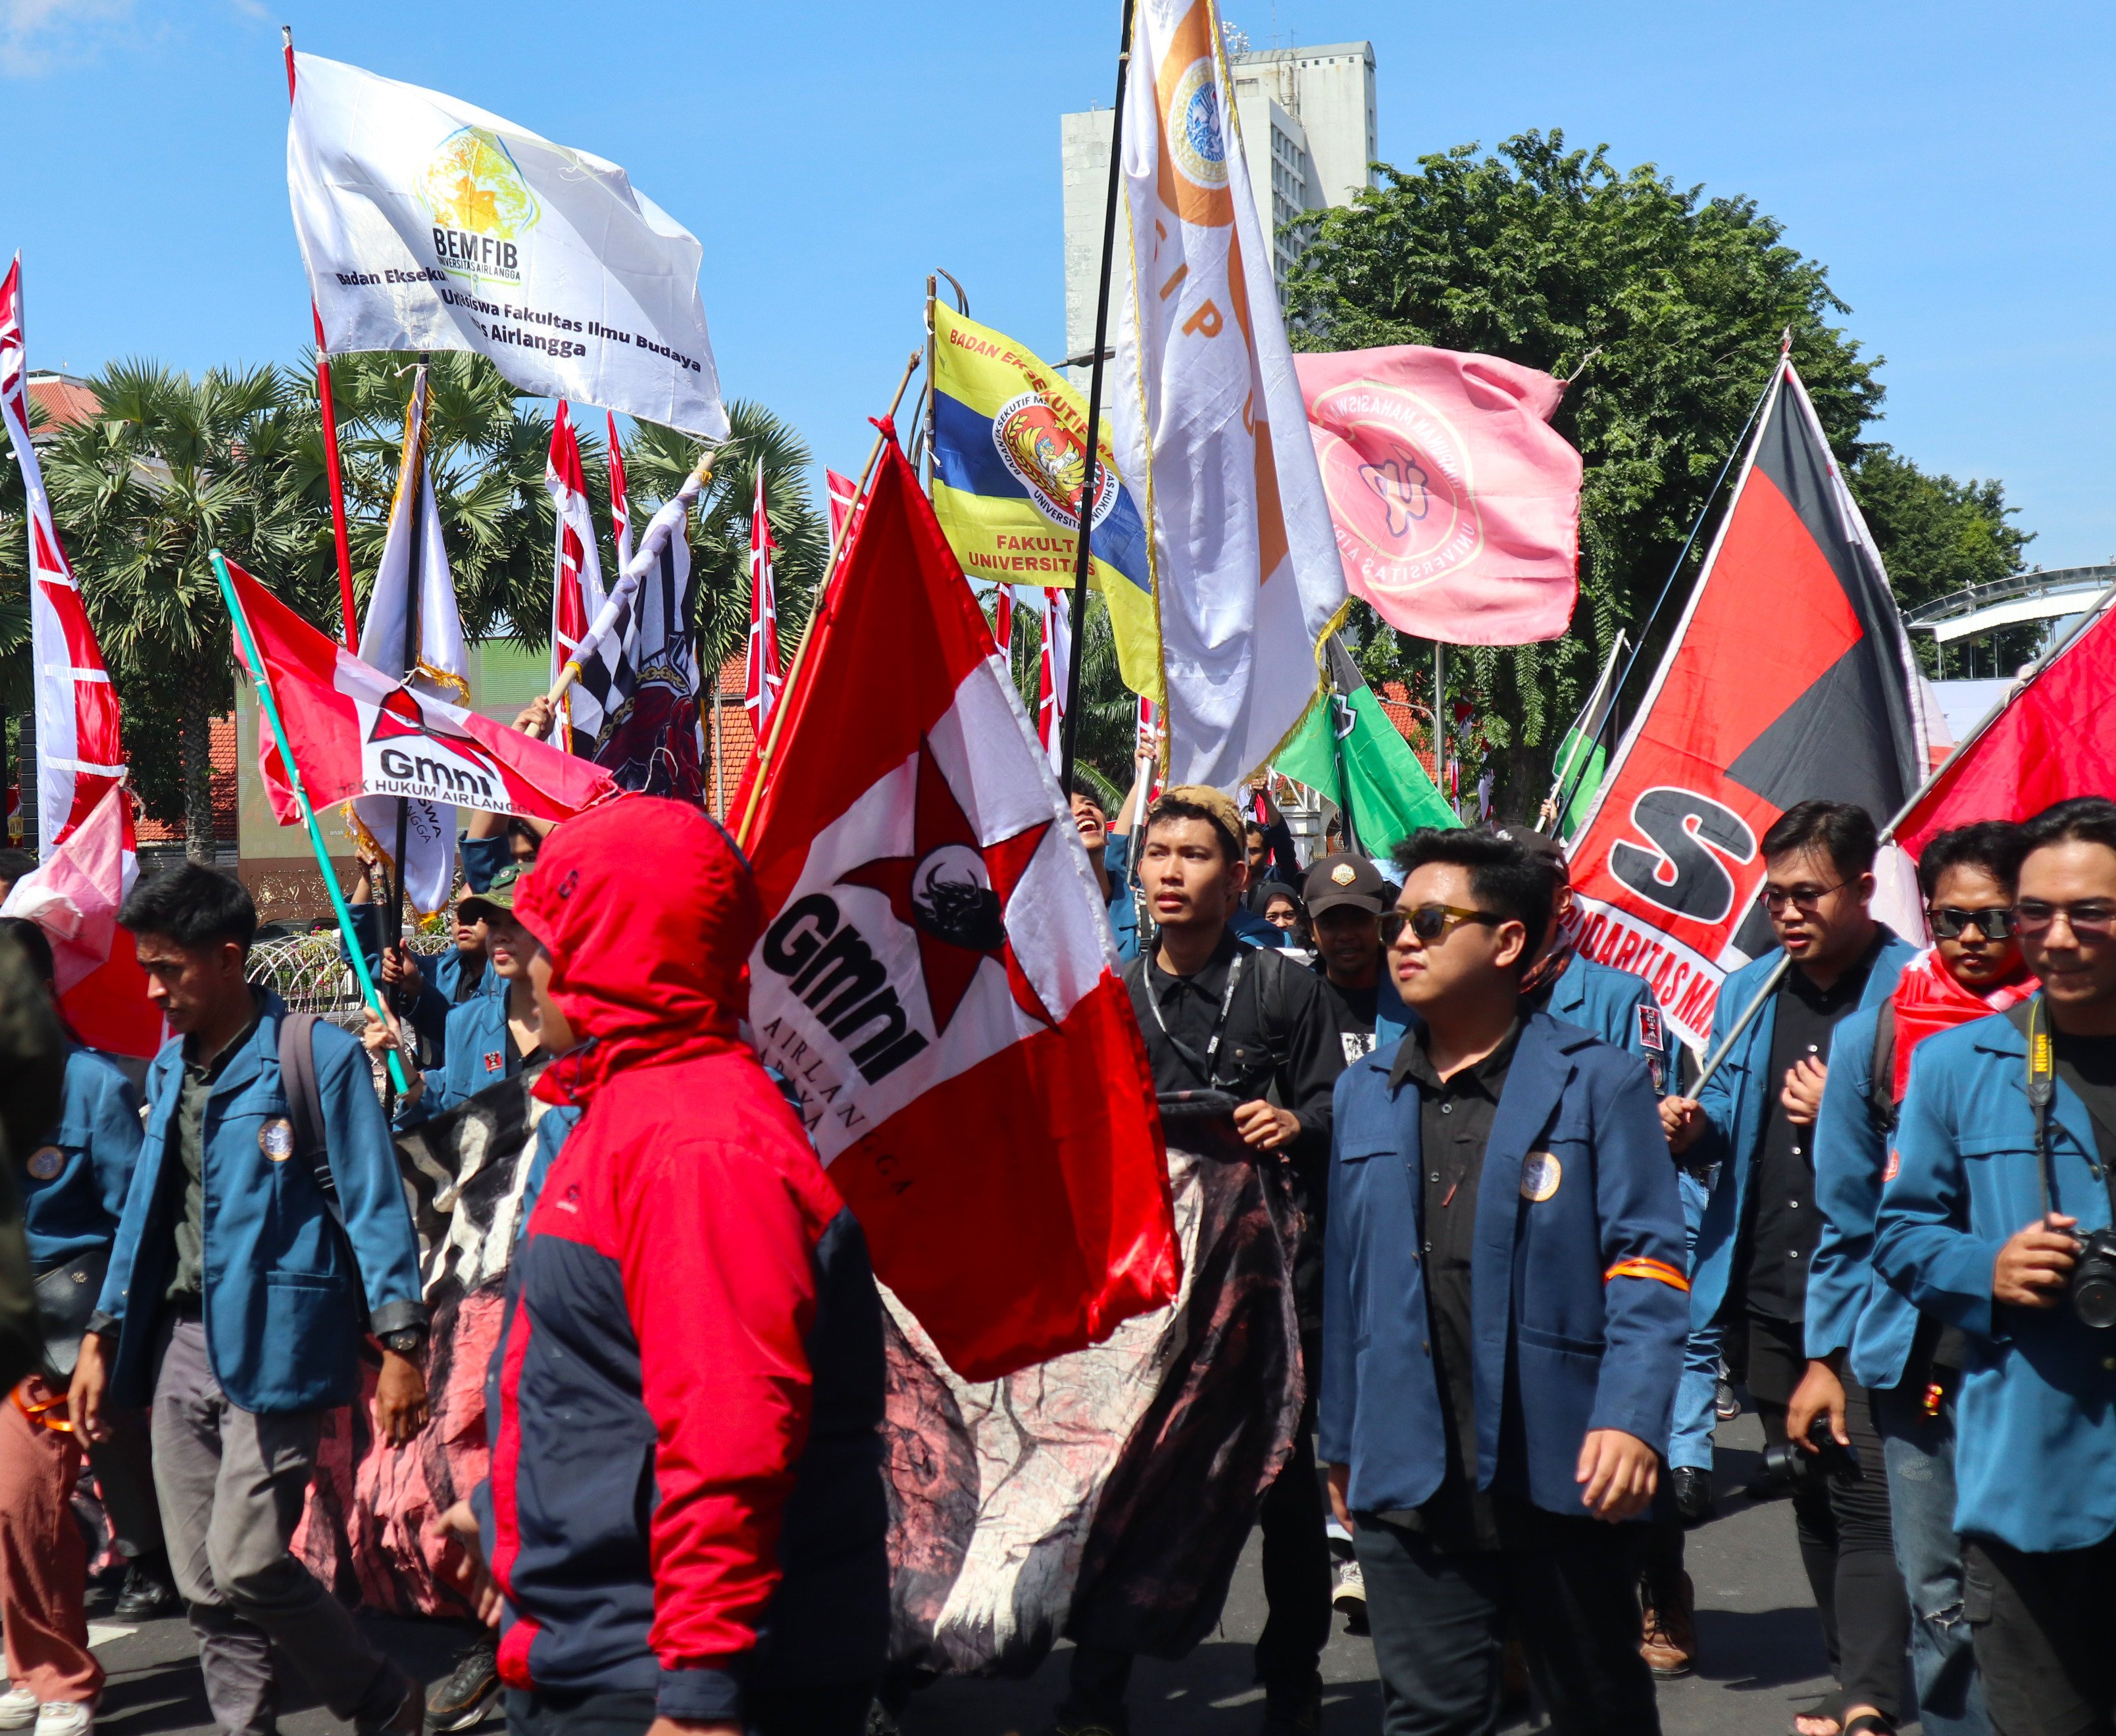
(1737, 1099)
(473, 1055)
(281, 1297)
(2035, 1441)
(1850, 1306)
(73, 1187)
(1580, 1293)
(1614, 1005)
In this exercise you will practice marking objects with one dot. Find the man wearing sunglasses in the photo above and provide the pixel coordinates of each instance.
(1982, 1225)
(1863, 1333)
(1504, 1315)
(1756, 1118)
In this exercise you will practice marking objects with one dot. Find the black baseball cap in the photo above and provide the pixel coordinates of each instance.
(1540, 846)
(1345, 880)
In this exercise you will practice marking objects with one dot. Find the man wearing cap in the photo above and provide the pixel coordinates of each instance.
(1218, 1015)
(489, 1036)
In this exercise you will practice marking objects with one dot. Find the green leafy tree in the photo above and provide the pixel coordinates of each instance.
(1936, 535)
(1664, 307)
(1109, 710)
(170, 468)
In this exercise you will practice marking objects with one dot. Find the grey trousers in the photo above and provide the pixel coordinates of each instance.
(231, 1485)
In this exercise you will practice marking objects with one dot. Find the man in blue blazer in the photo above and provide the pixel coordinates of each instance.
(1503, 1316)
(1982, 1224)
(235, 1298)
(1754, 1119)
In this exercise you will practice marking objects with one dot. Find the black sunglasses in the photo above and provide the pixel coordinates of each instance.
(1430, 921)
(1948, 922)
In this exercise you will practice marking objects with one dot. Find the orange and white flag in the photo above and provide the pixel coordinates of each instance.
(1207, 415)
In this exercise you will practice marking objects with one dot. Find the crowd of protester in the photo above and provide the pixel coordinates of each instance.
(1532, 1260)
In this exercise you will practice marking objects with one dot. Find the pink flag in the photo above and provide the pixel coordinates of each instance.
(80, 757)
(73, 895)
(762, 679)
(1457, 506)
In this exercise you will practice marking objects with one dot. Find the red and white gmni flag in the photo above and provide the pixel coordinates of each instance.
(357, 732)
(936, 980)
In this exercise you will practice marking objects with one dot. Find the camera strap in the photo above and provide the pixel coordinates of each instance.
(2040, 1084)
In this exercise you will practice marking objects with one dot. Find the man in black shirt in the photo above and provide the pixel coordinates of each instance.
(1346, 896)
(1249, 1022)
(1757, 1121)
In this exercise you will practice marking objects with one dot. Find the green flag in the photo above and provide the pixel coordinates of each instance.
(1581, 760)
(1350, 751)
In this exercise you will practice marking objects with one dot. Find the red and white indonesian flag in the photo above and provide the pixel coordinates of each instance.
(427, 223)
(761, 678)
(1207, 417)
(80, 755)
(936, 979)
(576, 592)
(1456, 504)
(1052, 664)
(356, 732)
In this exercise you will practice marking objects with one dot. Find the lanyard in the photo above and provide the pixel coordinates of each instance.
(1203, 1067)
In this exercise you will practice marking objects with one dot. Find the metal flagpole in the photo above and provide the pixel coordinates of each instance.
(267, 704)
(1888, 832)
(1069, 726)
(333, 473)
(1573, 772)
(1439, 727)
(769, 745)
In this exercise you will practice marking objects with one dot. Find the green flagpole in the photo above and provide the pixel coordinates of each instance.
(271, 711)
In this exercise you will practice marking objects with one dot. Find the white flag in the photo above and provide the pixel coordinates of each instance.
(428, 224)
(440, 665)
(1206, 409)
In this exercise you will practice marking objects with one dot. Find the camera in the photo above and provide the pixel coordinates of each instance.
(2094, 1280)
(1788, 1468)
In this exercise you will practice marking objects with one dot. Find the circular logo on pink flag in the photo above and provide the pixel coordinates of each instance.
(1399, 479)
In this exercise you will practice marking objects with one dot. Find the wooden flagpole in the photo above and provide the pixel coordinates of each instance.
(332, 472)
(769, 745)
(267, 704)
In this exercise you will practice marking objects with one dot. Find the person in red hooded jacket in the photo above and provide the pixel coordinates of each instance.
(684, 1523)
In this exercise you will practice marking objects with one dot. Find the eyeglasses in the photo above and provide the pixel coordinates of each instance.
(1804, 899)
(1948, 922)
(2096, 916)
(1431, 921)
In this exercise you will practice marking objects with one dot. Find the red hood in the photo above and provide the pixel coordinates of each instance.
(649, 914)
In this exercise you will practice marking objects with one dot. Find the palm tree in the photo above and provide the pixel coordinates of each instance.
(171, 468)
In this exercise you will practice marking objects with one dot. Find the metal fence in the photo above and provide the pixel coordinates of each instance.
(310, 974)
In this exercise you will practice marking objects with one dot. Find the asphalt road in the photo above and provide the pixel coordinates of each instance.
(1760, 1654)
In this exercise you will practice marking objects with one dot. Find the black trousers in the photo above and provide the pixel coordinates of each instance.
(1845, 1541)
(1569, 1587)
(1296, 1593)
(818, 1711)
(2045, 1635)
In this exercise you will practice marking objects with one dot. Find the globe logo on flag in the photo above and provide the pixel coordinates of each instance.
(480, 204)
(1195, 139)
(1049, 460)
(1398, 477)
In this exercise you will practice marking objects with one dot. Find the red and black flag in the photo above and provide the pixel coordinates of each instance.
(1788, 678)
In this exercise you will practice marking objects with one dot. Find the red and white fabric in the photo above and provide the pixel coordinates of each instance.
(844, 492)
(1055, 659)
(763, 678)
(80, 756)
(936, 980)
(577, 592)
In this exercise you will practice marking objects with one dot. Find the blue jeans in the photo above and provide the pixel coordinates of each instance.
(1919, 1453)
(1690, 1442)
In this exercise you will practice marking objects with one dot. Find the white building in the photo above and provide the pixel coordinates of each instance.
(1306, 119)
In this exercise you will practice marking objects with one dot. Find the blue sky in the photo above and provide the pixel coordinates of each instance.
(1951, 165)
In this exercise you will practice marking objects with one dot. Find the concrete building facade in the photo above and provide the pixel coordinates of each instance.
(1307, 121)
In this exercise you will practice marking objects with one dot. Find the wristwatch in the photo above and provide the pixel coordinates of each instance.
(405, 1341)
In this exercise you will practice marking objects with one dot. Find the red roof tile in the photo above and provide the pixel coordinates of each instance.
(63, 400)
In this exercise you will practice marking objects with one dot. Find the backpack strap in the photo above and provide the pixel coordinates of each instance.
(1882, 1108)
(305, 1102)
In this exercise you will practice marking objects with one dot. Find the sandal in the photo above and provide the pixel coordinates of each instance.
(1867, 1723)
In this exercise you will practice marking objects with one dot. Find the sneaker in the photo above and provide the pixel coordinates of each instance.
(1724, 1404)
(469, 1695)
(147, 1593)
(18, 1709)
(64, 1718)
(1668, 1639)
(1350, 1598)
(1293, 1710)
